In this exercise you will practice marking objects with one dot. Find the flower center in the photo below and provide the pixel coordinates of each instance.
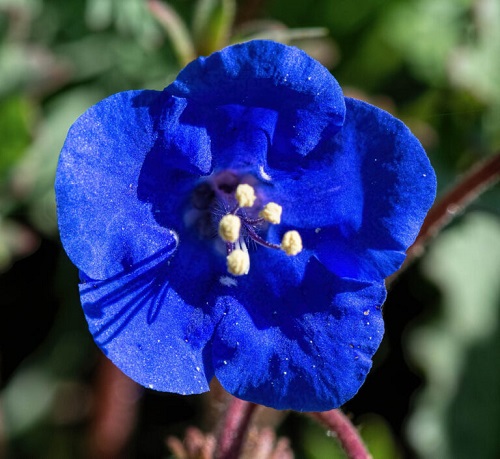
(238, 213)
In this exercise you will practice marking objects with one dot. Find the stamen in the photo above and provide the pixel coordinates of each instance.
(256, 238)
(245, 195)
(238, 262)
(239, 224)
(291, 243)
(271, 213)
(229, 228)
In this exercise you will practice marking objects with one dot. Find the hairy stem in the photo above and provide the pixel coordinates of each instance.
(234, 428)
(115, 415)
(346, 433)
(480, 178)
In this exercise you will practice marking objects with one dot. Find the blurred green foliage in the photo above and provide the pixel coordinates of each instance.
(434, 63)
(457, 415)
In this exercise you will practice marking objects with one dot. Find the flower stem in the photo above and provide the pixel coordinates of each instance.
(115, 415)
(480, 178)
(346, 433)
(234, 428)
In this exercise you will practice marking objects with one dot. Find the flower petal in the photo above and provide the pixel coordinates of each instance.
(296, 332)
(303, 93)
(360, 197)
(109, 182)
(100, 217)
(153, 324)
(236, 136)
(308, 348)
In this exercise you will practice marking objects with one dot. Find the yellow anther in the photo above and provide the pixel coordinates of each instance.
(229, 228)
(238, 262)
(271, 213)
(291, 243)
(245, 195)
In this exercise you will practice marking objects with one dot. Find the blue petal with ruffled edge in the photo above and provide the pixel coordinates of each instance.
(364, 192)
(104, 228)
(299, 340)
(148, 329)
(296, 332)
(302, 92)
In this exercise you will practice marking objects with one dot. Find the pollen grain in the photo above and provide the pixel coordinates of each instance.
(238, 262)
(291, 243)
(271, 213)
(229, 228)
(245, 195)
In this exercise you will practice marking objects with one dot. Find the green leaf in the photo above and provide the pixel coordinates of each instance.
(130, 18)
(33, 176)
(464, 262)
(281, 34)
(27, 398)
(16, 116)
(212, 24)
(473, 418)
(176, 30)
(378, 437)
(28, 67)
(321, 444)
(425, 32)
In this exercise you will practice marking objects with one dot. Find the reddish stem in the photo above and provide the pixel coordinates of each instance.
(481, 177)
(346, 433)
(234, 429)
(475, 182)
(116, 397)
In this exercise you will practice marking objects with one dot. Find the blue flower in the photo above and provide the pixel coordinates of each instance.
(240, 224)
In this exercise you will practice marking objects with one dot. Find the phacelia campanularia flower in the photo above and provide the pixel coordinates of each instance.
(240, 224)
